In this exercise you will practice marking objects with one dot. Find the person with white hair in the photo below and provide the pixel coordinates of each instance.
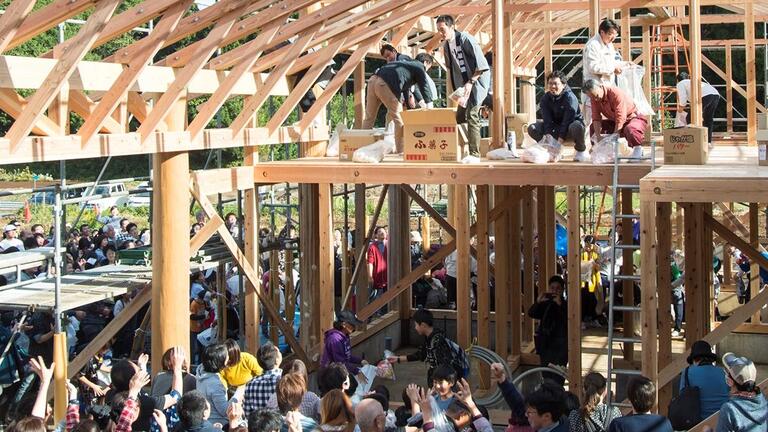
(370, 416)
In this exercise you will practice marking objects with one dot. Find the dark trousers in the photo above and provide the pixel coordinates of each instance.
(678, 308)
(450, 287)
(708, 107)
(575, 132)
(588, 305)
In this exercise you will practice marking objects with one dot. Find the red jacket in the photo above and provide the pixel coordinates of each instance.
(379, 261)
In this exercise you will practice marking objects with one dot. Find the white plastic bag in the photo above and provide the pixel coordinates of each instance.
(553, 147)
(604, 151)
(501, 154)
(333, 142)
(631, 81)
(373, 153)
(535, 154)
(681, 119)
(207, 336)
(369, 371)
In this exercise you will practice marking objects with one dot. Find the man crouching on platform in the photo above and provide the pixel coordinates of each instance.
(613, 111)
(561, 116)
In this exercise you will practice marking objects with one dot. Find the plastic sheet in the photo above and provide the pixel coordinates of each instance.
(553, 147)
(333, 141)
(502, 154)
(631, 81)
(535, 154)
(604, 151)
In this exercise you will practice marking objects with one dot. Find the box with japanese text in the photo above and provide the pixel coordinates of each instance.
(352, 139)
(762, 147)
(431, 135)
(686, 146)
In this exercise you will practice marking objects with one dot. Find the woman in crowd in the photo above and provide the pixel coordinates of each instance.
(210, 385)
(336, 413)
(593, 414)
(241, 366)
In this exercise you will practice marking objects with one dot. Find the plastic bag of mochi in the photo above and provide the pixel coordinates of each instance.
(553, 147)
(535, 154)
(501, 154)
(333, 141)
(631, 81)
(373, 153)
(604, 152)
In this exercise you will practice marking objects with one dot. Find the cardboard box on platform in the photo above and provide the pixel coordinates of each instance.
(518, 123)
(762, 147)
(686, 146)
(431, 135)
(352, 139)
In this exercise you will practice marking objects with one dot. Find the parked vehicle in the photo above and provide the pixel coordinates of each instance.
(112, 194)
(140, 199)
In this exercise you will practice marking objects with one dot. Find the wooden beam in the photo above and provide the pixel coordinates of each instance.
(361, 238)
(695, 275)
(11, 20)
(663, 277)
(649, 301)
(138, 61)
(13, 105)
(326, 288)
(202, 236)
(516, 312)
(463, 283)
(529, 221)
(751, 66)
(60, 73)
(594, 16)
(499, 113)
(574, 290)
(754, 240)
(250, 240)
(46, 18)
(502, 249)
(728, 89)
(694, 37)
(359, 96)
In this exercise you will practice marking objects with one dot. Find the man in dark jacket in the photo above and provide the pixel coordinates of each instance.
(551, 338)
(388, 85)
(468, 69)
(560, 115)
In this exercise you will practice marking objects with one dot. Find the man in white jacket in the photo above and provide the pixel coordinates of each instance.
(601, 61)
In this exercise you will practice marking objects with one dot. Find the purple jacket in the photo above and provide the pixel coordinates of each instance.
(338, 350)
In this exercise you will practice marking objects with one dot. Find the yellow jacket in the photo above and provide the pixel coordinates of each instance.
(589, 274)
(243, 371)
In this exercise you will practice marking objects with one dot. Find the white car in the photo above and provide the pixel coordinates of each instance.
(114, 194)
(140, 199)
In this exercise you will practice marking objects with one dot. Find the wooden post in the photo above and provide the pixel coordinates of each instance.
(548, 42)
(463, 326)
(707, 305)
(274, 291)
(398, 248)
(528, 255)
(754, 268)
(499, 114)
(694, 38)
(170, 245)
(510, 85)
(483, 278)
(359, 96)
(515, 271)
(426, 234)
(626, 32)
(749, 49)
(627, 269)
(647, 61)
(594, 16)
(361, 242)
(728, 88)
(59, 381)
(252, 317)
(695, 277)
(325, 298)
(649, 301)
(501, 231)
(574, 291)
(664, 276)
(309, 262)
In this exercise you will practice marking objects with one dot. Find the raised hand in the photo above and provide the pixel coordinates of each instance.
(498, 375)
(140, 380)
(142, 361)
(38, 367)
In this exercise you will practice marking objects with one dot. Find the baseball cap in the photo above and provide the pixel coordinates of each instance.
(10, 227)
(741, 369)
(348, 317)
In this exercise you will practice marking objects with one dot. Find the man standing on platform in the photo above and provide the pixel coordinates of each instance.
(377, 263)
(601, 61)
(469, 70)
(613, 111)
(561, 116)
(709, 99)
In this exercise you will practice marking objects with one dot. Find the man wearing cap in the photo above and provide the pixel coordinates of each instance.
(747, 410)
(338, 349)
(709, 378)
(11, 238)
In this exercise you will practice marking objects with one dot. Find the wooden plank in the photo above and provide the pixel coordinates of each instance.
(13, 105)
(751, 66)
(663, 277)
(138, 61)
(574, 291)
(594, 16)
(707, 248)
(735, 86)
(646, 56)
(46, 18)
(649, 301)
(694, 288)
(626, 32)
(483, 277)
(692, 184)
(202, 236)
(528, 256)
(11, 20)
(60, 73)
(359, 95)
(361, 238)
(109, 331)
(499, 113)
(325, 225)
(516, 312)
(503, 289)
(728, 89)
(745, 248)
(463, 284)
(754, 240)
(694, 37)
(309, 262)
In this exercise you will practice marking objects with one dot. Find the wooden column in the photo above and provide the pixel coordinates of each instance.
(728, 88)
(501, 231)
(359, 95)
(483, 274)
(694, 38)
(529, 222)
(510, 84)
(664, 278)
(251, 244)
(515, 271)
(707, 305)
(548, 42)
(170, 245)
(426, 234)
(627, 269)
(463, 326)
(361, 242)
(649, 301)
(695, 277)
(647, 60)
(325, 298)
(59, 381)
(594, 16)
(749, 49)
(528, 97)
(398, 247)
(497, 125)
(754, 268)
(574, 291)
(626, 32)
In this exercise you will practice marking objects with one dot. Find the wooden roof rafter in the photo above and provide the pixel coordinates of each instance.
(47, 18)
(10, 21)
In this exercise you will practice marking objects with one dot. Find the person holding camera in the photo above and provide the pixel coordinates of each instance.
(551, 338)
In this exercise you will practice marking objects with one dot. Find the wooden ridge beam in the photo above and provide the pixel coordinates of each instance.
(11, 20)
(252, 105)
(139, 59)
(61, 72)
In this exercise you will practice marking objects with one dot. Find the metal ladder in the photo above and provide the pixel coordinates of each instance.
(627, 244)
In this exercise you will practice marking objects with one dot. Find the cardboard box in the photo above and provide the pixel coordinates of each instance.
(762, 147)
(762, 121)
(686, 146)
(352, 139)
(518, 123)
(431, 135)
